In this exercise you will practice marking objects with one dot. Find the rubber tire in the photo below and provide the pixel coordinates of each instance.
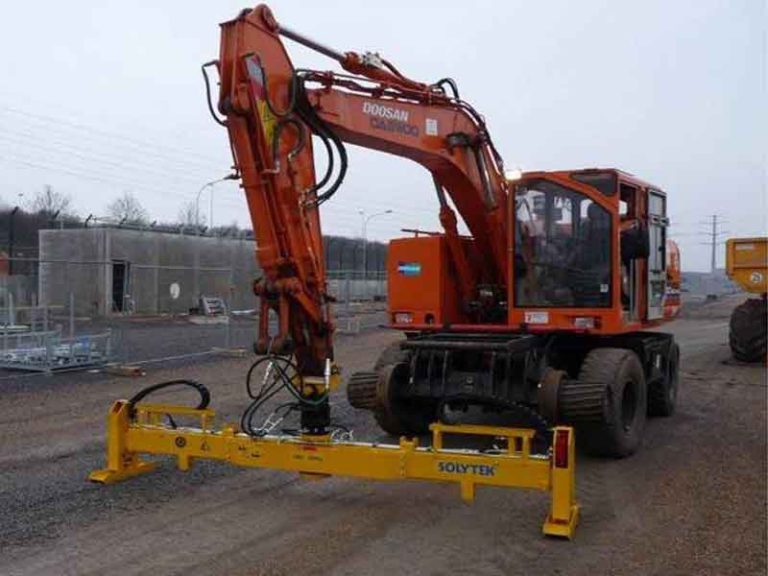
(366, 382)
(747, 335)
(615, 368)
(396, 418)
(662, 396)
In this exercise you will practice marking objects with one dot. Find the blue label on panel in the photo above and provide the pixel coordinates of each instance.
(409, 268)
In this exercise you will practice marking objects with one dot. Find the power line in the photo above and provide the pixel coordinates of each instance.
(96, 177)
(137, 170)
(135, 142)
(115, 156)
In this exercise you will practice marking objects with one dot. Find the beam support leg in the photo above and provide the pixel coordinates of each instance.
(121, 464)
(564, 512)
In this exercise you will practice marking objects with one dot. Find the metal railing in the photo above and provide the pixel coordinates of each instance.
(48, 351)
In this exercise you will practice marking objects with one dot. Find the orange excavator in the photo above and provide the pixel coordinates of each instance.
(541, 310)
(541, 313)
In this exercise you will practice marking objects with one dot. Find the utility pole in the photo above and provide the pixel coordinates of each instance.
(714, 222)
(11, 238)
(713, 263)
(713, 233)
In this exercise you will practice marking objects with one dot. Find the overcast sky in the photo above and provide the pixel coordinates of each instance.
(102, 97)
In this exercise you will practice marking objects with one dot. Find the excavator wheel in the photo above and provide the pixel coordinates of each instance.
(607, 403)
(363, 389)
(395, 416)
(662, 396)
(377, 391)
(747, 335)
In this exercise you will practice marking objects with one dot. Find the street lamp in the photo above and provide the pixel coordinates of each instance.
(197, 200)
(367, 219)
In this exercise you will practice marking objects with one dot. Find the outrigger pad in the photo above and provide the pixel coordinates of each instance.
(562, 529)
(107, 476)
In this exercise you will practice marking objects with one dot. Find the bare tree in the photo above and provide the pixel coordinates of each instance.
(189, 215)
(127, 209)
(48, 201)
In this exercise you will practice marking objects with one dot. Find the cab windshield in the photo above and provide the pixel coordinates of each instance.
(562, 248)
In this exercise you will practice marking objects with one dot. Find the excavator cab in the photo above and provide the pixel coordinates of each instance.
(562, 249)
(589, 252)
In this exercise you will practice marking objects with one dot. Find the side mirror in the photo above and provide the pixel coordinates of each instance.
(635, 243)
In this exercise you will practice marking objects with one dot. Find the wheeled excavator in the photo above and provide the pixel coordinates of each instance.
(542, 313)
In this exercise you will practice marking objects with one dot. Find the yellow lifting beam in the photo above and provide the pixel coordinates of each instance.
(129, 436)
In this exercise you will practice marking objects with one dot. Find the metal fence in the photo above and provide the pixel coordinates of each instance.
(79, 313)
(47, 351)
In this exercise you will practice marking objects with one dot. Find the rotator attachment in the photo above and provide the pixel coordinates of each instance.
(140, 429)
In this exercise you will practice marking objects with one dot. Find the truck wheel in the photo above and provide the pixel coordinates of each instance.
(618, 431)
(662, 396)
(747, 335)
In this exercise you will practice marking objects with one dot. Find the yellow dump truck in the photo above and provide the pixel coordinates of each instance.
(746, 263)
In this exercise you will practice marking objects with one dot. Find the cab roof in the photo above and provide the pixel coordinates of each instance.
(620, 174)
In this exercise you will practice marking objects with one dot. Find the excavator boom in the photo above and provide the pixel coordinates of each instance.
(272, 111)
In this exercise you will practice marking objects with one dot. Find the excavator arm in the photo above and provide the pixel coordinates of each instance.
(272, 111)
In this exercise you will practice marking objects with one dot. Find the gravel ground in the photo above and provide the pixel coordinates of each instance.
(693, 501)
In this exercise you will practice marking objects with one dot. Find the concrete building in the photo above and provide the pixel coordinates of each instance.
(112, 270)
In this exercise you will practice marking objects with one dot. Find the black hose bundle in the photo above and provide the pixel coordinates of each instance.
(281, 373)
(205, 395)
(328, 137)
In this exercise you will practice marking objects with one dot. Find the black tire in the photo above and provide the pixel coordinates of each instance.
(396, 416)
(747, 335)
(662, 395)
(619, 430)
(364, 391)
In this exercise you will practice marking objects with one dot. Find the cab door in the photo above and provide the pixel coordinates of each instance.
(657, 257)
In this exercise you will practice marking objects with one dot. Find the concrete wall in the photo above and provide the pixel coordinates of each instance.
(72, 261)
(80, 261)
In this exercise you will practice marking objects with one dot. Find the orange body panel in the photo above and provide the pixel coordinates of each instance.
(420, 285)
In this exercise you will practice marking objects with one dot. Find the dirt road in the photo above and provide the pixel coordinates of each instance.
(693, 501)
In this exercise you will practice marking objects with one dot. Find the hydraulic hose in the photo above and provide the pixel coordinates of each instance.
(208, 92)
(205, 395)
